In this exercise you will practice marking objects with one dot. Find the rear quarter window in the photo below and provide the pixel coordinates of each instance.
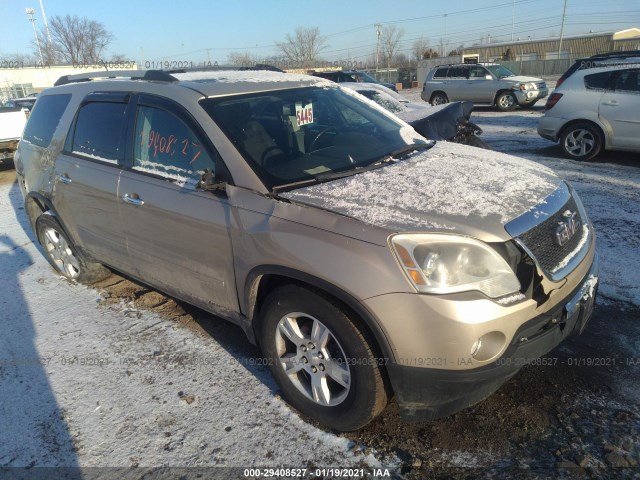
(44, 119)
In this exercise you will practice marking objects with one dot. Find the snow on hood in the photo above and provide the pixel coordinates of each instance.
(449, 187)
(522, 78)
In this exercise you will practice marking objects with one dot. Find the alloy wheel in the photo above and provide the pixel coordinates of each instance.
(313, 359)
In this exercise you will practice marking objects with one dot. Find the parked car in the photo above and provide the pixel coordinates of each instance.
(595, 109)
(444, 122)
(363, 259)
(12, 122)
(489, 84)
(599, 60)
(340, 76)
(26, 103)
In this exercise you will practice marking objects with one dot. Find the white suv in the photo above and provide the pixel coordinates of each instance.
(595, 109)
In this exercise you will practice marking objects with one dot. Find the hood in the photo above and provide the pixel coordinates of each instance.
(450, 188)
(523, 79)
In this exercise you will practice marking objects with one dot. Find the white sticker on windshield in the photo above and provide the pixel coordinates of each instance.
(304, 114)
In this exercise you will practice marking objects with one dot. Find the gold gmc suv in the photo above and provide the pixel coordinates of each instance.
(365, 260)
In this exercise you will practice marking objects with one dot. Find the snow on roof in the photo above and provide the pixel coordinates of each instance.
(250, 76)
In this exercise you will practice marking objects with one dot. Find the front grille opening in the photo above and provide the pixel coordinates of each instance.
(530, 280)
(525, 269)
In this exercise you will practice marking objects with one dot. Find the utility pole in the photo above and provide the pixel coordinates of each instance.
(30, 11)
(46, 25)
(378, 32)
(564, 14)
(513, 18)
(444, 44)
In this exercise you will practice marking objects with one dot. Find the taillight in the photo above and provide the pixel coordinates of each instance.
(560, 81)
(552, 100)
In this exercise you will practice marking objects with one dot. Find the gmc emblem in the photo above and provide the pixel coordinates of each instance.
(567, 228)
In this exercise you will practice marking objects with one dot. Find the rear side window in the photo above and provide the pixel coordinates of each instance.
(99, 131)
(598, 81)
(628, 81)
(441, 73)
(44, 119)
(458, 72)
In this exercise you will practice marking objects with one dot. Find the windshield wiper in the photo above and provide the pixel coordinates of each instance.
(329, 176)
(410, 148)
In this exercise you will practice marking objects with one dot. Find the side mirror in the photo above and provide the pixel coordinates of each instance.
(488, 77)
(208, 182)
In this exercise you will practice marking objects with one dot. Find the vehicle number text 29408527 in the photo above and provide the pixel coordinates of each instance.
(309, 473)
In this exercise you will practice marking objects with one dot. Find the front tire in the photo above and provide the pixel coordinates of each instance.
(324, 365)
(62, 254)
(506, 102)
(581, 141)
(438, 98)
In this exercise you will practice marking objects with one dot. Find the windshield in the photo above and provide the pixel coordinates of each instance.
(304, 134)
(363, 77)
(500, 71)
(385, 101)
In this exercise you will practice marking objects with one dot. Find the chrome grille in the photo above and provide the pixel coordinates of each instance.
(541, 85)
(541, 243)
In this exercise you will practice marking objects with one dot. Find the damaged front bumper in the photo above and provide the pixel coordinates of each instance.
(430, 393)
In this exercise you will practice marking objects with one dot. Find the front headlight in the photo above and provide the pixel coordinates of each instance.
(527, 86)
(448, 264)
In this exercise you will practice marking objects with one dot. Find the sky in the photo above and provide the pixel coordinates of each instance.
(208, 31)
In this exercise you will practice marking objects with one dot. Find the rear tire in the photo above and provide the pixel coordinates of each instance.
(581, 141)
(62, 254)
(322, 362)
(438, 98)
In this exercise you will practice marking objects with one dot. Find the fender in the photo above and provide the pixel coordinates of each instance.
(255, 276)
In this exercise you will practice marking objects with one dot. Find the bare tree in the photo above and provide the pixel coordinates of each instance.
(76, 40)
(419, 48)
(243, 59)
(303, 47)
(391, 36)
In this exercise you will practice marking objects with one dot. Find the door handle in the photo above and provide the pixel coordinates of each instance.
(64, 179)
(133, 199)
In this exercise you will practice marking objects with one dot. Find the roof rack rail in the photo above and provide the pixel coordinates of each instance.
(152, 75)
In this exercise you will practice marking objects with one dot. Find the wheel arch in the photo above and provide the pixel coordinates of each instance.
(263, 280)
(601, 129)
(35, 205)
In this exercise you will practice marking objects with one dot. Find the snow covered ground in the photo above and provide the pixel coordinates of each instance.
(90, 382)
(83, 383)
